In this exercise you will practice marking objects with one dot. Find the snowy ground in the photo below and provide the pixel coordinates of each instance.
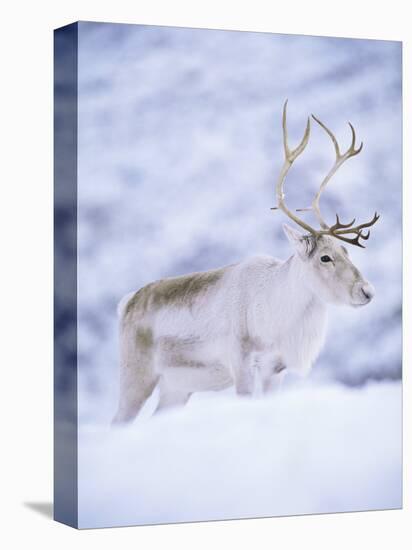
(309, 449)
(179, 148)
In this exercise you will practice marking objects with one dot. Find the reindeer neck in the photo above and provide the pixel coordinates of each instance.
(295, 287)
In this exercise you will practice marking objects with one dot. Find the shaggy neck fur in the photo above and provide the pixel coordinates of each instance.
(291, 286)
(300, 316)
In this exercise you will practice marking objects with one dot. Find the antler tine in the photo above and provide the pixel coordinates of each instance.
(342, 230)
(330, 134)
(285, 131)
(352, 149)
(354, 240)
(340, 159)
(290, 157)
(339, 225)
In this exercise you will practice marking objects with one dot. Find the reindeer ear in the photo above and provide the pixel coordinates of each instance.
(303, 244)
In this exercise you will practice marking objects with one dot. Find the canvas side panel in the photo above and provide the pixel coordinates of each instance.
(65, 274)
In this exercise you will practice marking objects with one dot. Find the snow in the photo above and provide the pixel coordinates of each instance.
(179, 148)
(309, 449)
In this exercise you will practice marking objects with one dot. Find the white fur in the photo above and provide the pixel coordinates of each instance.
(123, 303)
(262, 316)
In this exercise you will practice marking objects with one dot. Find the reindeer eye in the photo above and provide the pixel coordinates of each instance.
(326, 259)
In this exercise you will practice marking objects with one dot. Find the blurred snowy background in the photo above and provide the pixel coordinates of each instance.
(179, 149)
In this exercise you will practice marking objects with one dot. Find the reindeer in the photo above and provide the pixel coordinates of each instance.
(214, 329)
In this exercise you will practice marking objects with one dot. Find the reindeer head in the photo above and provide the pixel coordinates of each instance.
(327, 267)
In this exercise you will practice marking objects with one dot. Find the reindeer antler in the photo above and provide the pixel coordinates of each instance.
(338, 230)
(290, 157)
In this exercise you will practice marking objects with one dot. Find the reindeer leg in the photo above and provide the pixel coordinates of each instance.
(243, 368)
(137, 375)
(170, 399)
(132, 400)
(274, 381)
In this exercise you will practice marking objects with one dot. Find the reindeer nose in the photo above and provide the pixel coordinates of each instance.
(368, 291)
